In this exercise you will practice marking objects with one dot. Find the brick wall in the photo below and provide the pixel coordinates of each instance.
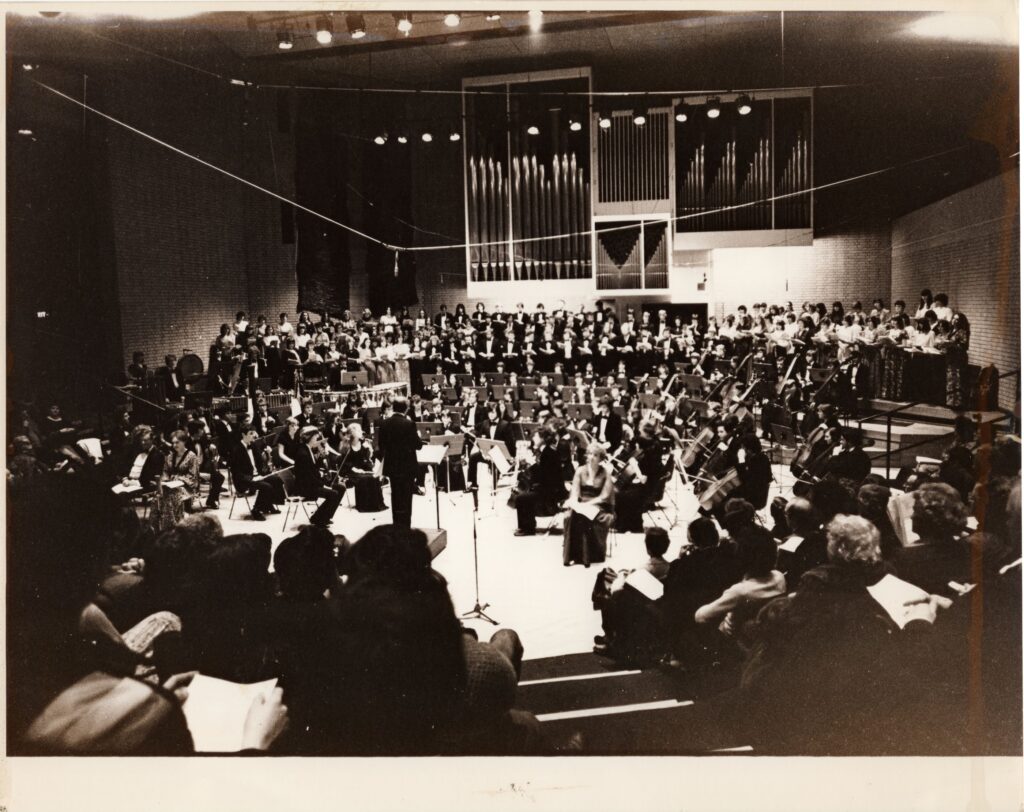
(968, 246)
(842, 267)
(193, 246)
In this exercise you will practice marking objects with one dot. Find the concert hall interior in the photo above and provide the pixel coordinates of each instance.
(515, 383)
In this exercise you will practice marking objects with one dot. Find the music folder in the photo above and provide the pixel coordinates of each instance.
(455, 443)
(432, 454)
(485, 445)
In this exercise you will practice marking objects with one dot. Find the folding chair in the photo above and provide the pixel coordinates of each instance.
(235, 493)
(292, 503)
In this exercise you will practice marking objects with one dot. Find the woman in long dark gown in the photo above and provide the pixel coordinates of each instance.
(586, 539)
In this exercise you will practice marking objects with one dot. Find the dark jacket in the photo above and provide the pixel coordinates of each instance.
(307, 473)
(399, 442)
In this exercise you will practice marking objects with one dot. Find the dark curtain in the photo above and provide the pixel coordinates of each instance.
(387, 180)
(321, 177)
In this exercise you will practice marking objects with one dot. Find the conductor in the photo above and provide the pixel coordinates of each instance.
(399, 442)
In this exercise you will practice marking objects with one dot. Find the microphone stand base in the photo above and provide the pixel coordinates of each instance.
(477, 613)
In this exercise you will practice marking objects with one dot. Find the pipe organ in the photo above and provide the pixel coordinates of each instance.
(607, 208)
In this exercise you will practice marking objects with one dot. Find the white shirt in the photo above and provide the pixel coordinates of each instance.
(943, 313)
(284, 328)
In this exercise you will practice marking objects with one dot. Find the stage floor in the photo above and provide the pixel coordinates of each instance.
(521, 578)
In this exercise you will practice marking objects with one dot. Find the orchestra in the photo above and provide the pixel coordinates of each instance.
(657, 393)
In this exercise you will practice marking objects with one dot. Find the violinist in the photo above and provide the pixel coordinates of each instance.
(545, 488)
(287, 445)
(309, 477)
(356, 469)
(640, 480)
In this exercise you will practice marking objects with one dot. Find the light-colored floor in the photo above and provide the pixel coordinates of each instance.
(521, 578)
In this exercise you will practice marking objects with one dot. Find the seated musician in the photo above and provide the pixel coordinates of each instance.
(585, 539)
(309, 477)
(754, 470)
(306, 417)
(287, 443)
(851, 464)
(493, 428)
(546, 486)
(246, 465)
(639, 485)
(170, 375)
(137, 369)
(608, 426)
(206, 452)
(146, 464)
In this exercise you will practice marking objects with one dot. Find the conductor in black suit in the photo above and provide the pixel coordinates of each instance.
(399, 442)
(173, 381)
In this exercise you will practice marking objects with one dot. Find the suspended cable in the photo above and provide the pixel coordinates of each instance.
(216, 168)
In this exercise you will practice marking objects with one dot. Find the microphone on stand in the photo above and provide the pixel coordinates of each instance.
(475, 490)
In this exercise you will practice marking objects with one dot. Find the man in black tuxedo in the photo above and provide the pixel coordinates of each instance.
(170, 376)
(399, 442)
(244, 467)
(608, 426)
(309, 482)
(493, 428)
(443, 320)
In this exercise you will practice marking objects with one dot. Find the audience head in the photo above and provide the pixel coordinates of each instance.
(739, 514)
(939, 514)
(853, 540)
(656, 541)
(390, 552)
(801, 517)
(400, 404)
(305, 565)
(142, 437)
(830, 498)
(757, 551)
(702, 532)
(235, 573)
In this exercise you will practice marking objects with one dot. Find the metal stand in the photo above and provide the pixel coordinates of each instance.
(477, 612)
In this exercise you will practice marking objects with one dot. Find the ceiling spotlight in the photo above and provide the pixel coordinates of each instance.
(533, 129)
(493, 18)
(285, 41)
(604, 121)
(575, 125)
(402, 139)
(681, 114)
(452, 20)
(26, 66)
(24, 132)
(744, 105)
(536, 18)
(427, 137)
(455, 136)
(404, 22)
(381, 140)
(714, 108)
(639, 116)
(356, 25)
(324, 30)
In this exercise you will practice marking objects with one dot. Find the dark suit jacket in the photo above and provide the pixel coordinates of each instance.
(612, 431)
(307, 473)
(755, 476)
(502, 432)
(546, 477)
(399, 442)
(172, 390)
(242, 471)
(151, 469)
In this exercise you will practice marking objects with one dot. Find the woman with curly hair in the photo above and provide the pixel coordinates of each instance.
(940, 555)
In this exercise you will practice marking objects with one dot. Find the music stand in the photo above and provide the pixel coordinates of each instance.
(429, 379)
(433, 454)
(492, 378)
(693, 385)
(619, 409)
(428, 429)
(528, 408)
(354, 379)
(498, 457)
(530, 391)
(579, 410)
(464, 379)
(448, 394)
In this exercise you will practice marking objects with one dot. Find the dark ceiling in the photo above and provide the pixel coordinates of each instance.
(883, 95)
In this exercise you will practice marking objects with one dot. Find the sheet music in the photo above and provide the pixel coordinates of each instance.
(791, 544)
(494, 455)
(646, 584)
(120, 488)
(586, 509)
(216, 709)
(892, 595)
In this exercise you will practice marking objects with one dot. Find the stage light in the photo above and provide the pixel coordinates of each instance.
(402, 139)
(381, 140)
(427, 137)
(452, 20)
(681, 114)
(404, 22)
(455, 136)
(714, 108)
(536, 18)
(356, 25)
(24, 132)
(743, 105)
(604, 121)
(639, 116)
(575, 125)
(533, 129)
(285, 41)
(493, 18)
(324, 30)
(26, 66)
